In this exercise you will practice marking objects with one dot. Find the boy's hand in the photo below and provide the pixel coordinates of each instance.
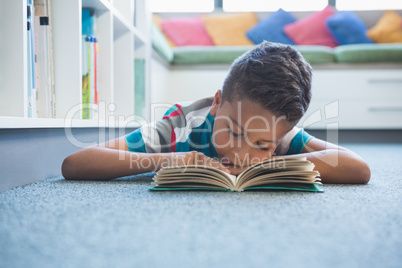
(195, 158)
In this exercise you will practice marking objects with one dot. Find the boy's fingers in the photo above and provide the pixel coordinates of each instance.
(216, 164)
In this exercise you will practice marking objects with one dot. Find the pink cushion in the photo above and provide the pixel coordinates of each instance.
(186, 32)
(312, 30)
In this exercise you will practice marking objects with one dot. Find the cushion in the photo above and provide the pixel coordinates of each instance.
(271, 29)
(316, 54)
(369, 53)
(230, 29)
(226, 55)
(160, 44)
(186, 31)
(157, 22)
(348, 28)
(208, 55)
(388, 29)
(312, 30)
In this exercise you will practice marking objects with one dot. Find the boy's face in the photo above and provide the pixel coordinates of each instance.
(245, 133)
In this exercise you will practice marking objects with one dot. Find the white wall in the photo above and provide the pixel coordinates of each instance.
(173, 85)
(185, 84)
(190, 84)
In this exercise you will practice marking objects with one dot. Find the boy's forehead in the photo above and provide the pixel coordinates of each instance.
(247, 112)
(254, 119)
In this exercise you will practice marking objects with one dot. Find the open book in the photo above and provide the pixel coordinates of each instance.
(294, 173)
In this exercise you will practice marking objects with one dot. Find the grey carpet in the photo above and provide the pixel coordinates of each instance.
(58, 223)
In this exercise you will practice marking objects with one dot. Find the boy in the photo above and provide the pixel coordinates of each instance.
(253, 117)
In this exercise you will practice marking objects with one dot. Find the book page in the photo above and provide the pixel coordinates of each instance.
(287, 177)
(204, 174)
(268, 164)
(278, 169)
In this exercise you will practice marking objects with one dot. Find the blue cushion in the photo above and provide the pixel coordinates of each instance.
(271, 29)
(347, 28)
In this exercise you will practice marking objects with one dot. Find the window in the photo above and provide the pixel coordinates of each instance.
(368, 5)
(182, 5)
(273, 5)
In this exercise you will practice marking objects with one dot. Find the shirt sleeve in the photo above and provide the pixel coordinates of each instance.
(293, 142)
(156, 137)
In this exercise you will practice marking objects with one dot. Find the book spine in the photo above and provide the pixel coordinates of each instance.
(51, 63)
(85, 77)
(91, 63)
(139, 84)
(88, 22)
(43, 67)
(34, 95)
(43, 60)
(95, 101)
(29, 63)
(89, 59)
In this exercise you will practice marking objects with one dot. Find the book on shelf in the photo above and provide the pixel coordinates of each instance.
(51, 58)
(290, 173)
(139, 82)
(94, 98)
(85, 78)
(89, 66)
(88, 22)
(31, 90)
(92, 78)
(43, 47)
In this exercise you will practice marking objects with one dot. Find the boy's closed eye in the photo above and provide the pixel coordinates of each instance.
(264, 148)
(234, 134)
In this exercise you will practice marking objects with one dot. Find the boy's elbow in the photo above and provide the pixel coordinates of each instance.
(363, 172)
(67, 168)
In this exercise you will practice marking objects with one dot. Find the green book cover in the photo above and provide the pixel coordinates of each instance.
(290, 174)
(307, 188)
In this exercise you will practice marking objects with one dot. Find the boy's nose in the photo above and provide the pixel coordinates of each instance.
(243, 155)
(240, 153)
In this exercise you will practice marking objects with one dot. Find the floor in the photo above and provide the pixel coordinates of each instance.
(120, 223)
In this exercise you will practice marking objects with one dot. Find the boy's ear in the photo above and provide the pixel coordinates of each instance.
(216, 103)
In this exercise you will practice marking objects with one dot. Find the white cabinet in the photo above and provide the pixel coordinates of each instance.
(355, 98)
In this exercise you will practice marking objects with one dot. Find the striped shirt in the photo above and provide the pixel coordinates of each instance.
(188, 127)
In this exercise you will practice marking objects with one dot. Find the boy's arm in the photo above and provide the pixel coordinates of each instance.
(336, 164)
(112, 160)
(97, 163)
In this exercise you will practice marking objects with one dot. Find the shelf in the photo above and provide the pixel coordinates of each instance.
(120, 24)
(139, 38)
(120, 41)
(100, 5)
(21, 122)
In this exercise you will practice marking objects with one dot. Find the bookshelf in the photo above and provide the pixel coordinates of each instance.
(123, 28)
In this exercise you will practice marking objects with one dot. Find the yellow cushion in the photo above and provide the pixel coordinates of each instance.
(230, 30)
(157, 21)
(388, 29)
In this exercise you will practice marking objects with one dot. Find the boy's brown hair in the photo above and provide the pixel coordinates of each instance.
(274, 75)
